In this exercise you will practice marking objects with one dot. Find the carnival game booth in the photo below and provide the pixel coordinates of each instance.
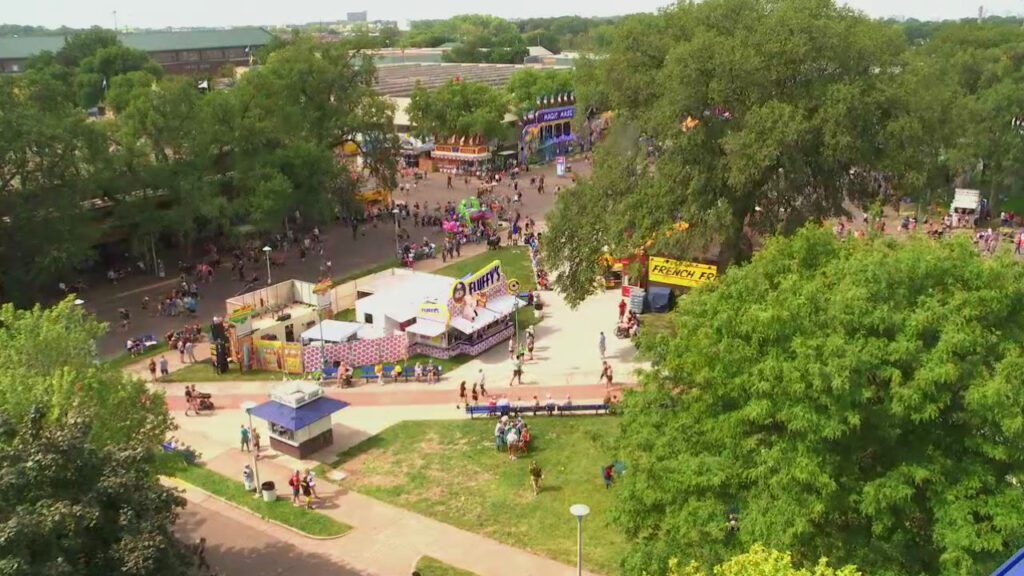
(472, 315)
(460, 156)
(547, 132)
(299, 418)
(268, 324)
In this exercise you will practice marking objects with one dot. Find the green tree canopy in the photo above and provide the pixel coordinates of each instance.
(760, 561)
(525, 87)
(860, 400)
(459, 109)
(790, 100)
(46, 157)
(49, 364)
(70, 507)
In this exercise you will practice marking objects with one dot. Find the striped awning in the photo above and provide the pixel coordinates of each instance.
(459, 155)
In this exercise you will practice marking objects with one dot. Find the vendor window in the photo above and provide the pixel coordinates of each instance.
(367, 318)
(289, 333)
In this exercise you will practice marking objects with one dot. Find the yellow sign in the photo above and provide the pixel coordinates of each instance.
(433, 311)
(483, 281)
(679, 272)
(292, 353)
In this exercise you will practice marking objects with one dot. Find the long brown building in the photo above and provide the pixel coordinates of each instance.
(186, 52)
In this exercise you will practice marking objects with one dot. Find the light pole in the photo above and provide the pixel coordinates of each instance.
(248, 405)
(579, 511)
(266, 252)
(398, 249)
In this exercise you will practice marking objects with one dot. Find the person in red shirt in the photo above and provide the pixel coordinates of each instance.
(622, 310)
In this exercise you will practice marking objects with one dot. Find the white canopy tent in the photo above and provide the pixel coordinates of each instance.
(965, 199)
(504, 305)
(428, 328)
(483, 318)
(333, 331)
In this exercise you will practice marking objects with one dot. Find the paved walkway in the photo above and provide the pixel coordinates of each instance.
(387, 540)
(375, 244)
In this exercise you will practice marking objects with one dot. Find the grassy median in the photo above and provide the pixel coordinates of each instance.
(450, 471)
(428, 566)
(308, 521)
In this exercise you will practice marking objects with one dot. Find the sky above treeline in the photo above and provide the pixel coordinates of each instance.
(184, 13)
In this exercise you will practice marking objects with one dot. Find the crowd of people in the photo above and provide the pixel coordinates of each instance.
(512, 435)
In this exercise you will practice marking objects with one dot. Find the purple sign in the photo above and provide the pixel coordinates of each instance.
(555, 114)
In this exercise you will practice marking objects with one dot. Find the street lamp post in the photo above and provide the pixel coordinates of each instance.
(579, 511)
(248, 405)
(398, 249)
(266, 252)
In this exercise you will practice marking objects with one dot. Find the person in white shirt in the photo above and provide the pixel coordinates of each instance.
(512, 439)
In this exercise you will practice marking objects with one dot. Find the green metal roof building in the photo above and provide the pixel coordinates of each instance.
(184, 52)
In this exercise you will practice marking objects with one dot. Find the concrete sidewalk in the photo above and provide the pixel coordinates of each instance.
(387, 540)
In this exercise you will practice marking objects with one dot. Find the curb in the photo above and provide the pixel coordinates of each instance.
(292, 529)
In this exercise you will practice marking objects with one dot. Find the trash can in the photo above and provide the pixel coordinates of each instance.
(269, 491)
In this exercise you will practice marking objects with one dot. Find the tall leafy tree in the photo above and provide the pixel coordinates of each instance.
(859, 400)
(526, 86)
(68, 506)
(46, 156)
(49, 366)
(788, 101)
(459, 110)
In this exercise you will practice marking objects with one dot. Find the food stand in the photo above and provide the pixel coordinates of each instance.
(459, 157)
(299, 418)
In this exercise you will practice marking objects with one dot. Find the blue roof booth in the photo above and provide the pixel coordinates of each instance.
(299, 418)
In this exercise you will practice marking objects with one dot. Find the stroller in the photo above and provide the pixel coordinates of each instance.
(204, 401)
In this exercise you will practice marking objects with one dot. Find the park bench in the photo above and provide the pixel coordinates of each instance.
(189, 455)
(543, 410)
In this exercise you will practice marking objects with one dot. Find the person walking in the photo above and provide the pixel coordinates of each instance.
(606, 374)
(517, 370)
(462, 395)
(152, 369)
(536, 475)
(190, 351)
(296, 485)
(602, 344)
(256, 441)
(622, 310)
(164, 370)
(244, 447)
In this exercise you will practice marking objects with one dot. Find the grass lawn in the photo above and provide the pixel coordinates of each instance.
(393, 263)
(515, 263)
(428, 566)
(658, 323)
(308, 521)
(124, 359)
(346, 315)
(449, 470)
(204, 372)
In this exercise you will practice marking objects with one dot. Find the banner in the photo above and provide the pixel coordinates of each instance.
(268, 355)
(436, 311)
(292, 352)
(242, 319)
(680, 272)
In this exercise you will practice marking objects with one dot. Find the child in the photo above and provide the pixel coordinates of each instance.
(609, 475)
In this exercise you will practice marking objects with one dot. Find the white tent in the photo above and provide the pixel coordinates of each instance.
(428, 328)
(333, 331)
(504, 305)
(965, 199)
(483, 318)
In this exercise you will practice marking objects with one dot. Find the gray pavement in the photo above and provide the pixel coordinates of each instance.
(235, 545)
(374, 245)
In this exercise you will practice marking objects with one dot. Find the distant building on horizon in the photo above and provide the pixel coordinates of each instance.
(178, 52)
(356, 16)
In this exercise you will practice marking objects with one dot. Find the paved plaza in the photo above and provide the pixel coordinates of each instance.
(373, 246)
(385, 540)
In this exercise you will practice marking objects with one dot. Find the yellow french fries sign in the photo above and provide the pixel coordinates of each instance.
(680, 272)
